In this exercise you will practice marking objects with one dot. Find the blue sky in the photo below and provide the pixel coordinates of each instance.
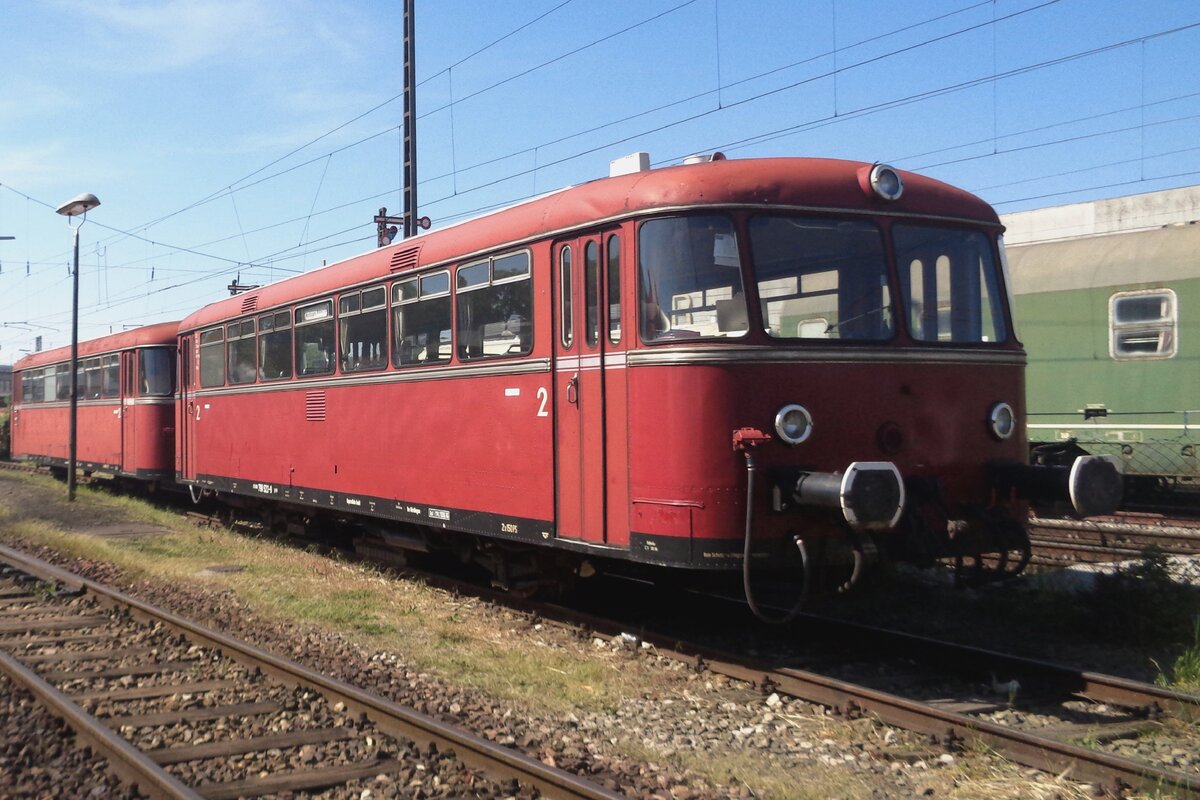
(259, 137)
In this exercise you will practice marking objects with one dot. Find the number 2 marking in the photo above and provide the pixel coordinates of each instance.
(544, 396)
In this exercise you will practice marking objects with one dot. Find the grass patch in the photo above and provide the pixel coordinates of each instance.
(814, 781)
(455, 638)
(1185, 672)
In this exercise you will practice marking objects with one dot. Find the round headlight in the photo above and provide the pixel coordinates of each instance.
(886, 182)
(793, 423)
(1002, 421)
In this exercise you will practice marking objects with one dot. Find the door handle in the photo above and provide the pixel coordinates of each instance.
(573, 390)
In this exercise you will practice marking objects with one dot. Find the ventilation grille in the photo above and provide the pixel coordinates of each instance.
(314, 406)
(249, 303)
(405, 259)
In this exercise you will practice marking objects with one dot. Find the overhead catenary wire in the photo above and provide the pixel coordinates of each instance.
(276, 257)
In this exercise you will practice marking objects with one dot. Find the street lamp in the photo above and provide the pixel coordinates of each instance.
(75, 207)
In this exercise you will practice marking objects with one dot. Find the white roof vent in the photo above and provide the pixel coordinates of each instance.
(704, 158)
(627, 165)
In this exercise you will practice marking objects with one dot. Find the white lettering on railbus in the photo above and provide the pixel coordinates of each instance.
(265, 488)
(508, 527)
(439, 513)
(350, 501)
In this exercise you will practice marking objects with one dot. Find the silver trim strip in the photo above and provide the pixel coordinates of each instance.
(752, 354)
(533, 366)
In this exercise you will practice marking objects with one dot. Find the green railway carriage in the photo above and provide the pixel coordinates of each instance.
(1111, 323)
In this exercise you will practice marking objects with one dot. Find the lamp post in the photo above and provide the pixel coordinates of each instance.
(75, 207)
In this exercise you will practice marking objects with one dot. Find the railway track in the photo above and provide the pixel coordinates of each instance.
(933, 687)
(1081, 706)
(181, 711)
(1126, 536)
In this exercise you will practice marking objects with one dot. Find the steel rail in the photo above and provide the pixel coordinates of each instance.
(1096, 686)
(950, 727)
(124, 760)
(391, 717)
(1046, 754)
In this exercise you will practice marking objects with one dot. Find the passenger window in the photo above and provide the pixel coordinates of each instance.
(614, 289)
(314, 339)
(212, 357)
(62, 384)
(49, 380)
(37, 386)
(362, 317)
(240, 349)
(91, 379)
(110, 376)
(421, 323)
(495, 302)
(1143, 325)
(275, 346)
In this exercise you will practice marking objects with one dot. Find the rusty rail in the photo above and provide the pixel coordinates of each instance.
(397, 720)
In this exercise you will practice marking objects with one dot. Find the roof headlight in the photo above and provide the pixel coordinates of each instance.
(886, 182)
(793, 423)
(1002, 421)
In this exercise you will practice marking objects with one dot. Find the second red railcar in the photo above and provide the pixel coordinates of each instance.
(126, 405)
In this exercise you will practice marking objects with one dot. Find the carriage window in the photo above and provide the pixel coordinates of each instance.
(614, 289)
(50, 383)
(35, 381)
(275, 346)
(212, 357)
(241, 352)
(689, 279)
(821, 278)
(91, 379)
(1143, 325)
(314, 339)
(27, 386)
(950, 283)
(495, 304)
(62, 383)
(363, 325)
(110, 376)
(421, 323)
(156, 372)
(567, 296)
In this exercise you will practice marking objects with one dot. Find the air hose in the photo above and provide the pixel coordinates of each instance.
(804, 560)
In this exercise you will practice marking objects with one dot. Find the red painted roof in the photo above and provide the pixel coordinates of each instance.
(816, 182)
(160, 333)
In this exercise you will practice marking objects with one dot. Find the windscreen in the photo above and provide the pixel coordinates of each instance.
(948, 277)
(690, 279)
(821, 278)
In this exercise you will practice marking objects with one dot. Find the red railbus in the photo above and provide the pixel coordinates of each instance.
(126, 405)
(805, 361)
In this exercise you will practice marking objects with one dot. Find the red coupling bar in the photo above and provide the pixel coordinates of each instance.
(746, 438)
